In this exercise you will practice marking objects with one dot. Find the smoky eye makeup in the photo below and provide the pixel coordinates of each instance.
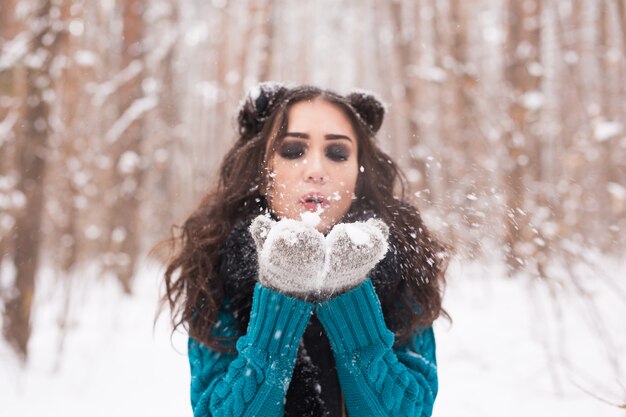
(291, 150)
(338, 152)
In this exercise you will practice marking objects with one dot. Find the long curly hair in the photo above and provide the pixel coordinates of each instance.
(194, 288)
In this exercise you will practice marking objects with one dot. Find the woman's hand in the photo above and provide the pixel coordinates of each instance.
(353, 249)
(291, 255)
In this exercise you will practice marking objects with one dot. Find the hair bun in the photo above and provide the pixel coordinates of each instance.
(368, 107)
(257, 104)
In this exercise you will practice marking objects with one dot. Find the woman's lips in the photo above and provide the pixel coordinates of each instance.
(314, 201)
(313, 206)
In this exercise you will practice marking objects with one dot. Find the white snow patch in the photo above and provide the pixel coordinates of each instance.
(102, 91)
(76, 27)
(196, 34)
(617, 191)
(607, 130)
(310, 218)
(357, 235)
(365, 93)
(288, 229)
(111, 350)
(14, 49)
(6, 125)
(129, 162)
(533, 100)
(85, 58)
(270, 87)
(429, 73)
(93, 232)
(512, 334)
(132, 113)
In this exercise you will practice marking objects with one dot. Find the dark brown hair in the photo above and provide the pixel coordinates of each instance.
(194, 289)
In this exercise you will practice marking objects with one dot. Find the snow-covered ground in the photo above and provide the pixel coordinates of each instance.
(510, 352)
(504, 355)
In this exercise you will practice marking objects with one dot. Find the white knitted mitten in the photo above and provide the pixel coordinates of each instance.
(353, 249)
(291, 255)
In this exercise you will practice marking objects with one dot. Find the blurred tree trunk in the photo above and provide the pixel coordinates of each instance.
(267, 36)
(456, 128)
(621, 11)
(242, 56)
(10, 27)
(619, 202)
(573, 117)
(223, 53)
(69, 168)
(10, 113)
(522, 51)
(301, 58)
(552, 141)
(32, 152)
(611, 112)
(404, 57)
(447, 48)
(593, 197)
(72, 144)
(128, 168)
(170, 115)
(383, 56)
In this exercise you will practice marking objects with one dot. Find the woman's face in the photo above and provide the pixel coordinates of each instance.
(315, 167)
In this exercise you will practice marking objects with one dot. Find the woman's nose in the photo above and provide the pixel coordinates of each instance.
(315, 170)
(317, 178)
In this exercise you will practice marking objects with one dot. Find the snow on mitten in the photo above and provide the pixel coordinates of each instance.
(353, 250)
(291, 255)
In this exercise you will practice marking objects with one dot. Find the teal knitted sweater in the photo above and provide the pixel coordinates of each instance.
(376, 379)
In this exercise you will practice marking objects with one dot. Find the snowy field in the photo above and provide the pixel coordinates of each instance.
(504, 355)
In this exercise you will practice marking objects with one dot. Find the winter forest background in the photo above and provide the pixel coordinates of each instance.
(508, 117)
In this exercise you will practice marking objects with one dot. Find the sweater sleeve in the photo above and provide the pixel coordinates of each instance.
(254, 379)
(376, 379)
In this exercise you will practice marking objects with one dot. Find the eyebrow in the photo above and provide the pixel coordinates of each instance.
(330, 136)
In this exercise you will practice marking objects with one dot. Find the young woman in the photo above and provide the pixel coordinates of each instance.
(307, 286)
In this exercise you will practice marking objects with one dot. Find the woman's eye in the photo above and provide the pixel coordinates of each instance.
(292, 150)
(338, 153)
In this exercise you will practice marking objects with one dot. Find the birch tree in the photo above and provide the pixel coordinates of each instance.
(126, 139)
(32, 152)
